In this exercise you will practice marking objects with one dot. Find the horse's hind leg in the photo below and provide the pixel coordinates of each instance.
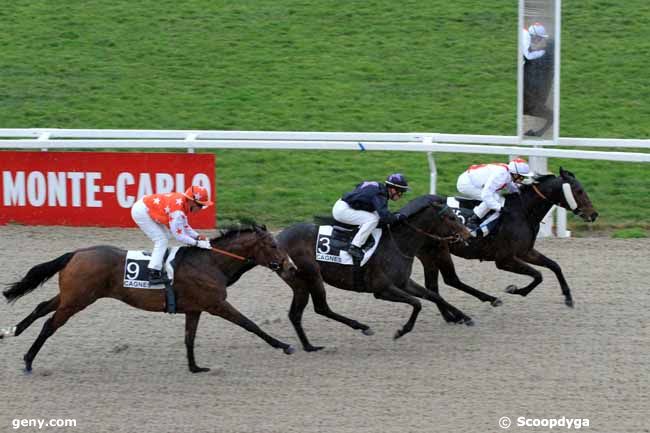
(536, 258)
(321, 307)
(41, 310)
(446, 309)
(191, 324)
(394, 294)
(514, 264)
(227, 311)
(58, 319)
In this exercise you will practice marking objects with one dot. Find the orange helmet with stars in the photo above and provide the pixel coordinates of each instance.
(199, 195)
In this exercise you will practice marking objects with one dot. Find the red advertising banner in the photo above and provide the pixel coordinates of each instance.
(96, 188)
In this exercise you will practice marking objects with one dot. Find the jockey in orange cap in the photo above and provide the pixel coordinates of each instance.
(159, 214)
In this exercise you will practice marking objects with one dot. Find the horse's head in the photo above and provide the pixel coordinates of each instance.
(431, 214)
(566, 191)
(267, 253)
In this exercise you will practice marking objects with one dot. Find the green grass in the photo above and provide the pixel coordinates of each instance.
(630, 233)
(326, 66)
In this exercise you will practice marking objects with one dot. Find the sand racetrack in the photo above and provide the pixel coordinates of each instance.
(116, 369)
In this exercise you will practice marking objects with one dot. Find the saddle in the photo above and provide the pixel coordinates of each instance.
(464, 208)
(334, 239)
(136, 274)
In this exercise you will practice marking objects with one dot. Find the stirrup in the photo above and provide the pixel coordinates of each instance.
(356, 253)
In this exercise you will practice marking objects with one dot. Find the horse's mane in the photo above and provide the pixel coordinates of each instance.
(232, 231)
(419, 203)
(540, 178)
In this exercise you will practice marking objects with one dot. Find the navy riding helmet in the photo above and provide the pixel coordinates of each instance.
(398, 181)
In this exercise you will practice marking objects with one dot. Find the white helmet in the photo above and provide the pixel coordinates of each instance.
(519, 167)
(537, 29)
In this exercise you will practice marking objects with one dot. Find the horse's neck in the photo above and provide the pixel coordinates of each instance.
(233, 267)
(536, 206)
(406, 239)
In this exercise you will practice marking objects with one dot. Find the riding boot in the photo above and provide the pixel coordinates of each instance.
(473, 222)
(356, 253)
(156, 277)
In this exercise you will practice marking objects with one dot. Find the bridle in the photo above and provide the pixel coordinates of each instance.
(568, 197)
(440, 213)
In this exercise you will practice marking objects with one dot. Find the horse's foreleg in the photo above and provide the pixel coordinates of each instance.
(536, 258)
(41, 310)
(191, 323)
(394, 294)
(513, 264)
(227, 311)
(448, 311)
(298, 304)
(450, 277)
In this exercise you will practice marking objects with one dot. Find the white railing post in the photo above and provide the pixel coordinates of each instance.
(427, 140)
(191, 137)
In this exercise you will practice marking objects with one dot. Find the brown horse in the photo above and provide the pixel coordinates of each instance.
(200, 280)
(386, 274)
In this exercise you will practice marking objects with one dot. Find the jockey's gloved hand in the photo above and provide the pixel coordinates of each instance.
(204, 244)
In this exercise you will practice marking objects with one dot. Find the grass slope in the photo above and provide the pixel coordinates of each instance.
(326, 66)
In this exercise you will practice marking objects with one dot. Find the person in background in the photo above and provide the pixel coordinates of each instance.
(533, 41)
(161, 215)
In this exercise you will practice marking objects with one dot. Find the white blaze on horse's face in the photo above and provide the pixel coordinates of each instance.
(8, 332)
(568, 196)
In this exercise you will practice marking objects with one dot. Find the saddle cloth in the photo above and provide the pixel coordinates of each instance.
(333, 241)
(136, 272)
(464, 208)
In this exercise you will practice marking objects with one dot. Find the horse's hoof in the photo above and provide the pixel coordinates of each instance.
(289, 350)
(512, 289)
(199, 369)
(368, 332)
(569, 303)
(27, 371)
(469, 322)
(313, 348)
(497, 302)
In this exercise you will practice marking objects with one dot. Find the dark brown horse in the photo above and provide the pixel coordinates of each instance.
(200, 280)
(512, 247)
(386, 274)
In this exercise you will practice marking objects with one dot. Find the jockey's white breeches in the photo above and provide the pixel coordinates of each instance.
(157, 232)
(367, 221)
(468, 189)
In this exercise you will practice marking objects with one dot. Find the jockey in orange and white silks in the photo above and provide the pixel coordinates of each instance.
(532, 38)
(485, 182)
(161, 215)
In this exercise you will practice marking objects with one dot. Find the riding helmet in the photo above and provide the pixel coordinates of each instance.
(398, 181)
(199, 194)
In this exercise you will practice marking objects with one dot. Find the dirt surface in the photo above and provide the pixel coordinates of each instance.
(116, 369)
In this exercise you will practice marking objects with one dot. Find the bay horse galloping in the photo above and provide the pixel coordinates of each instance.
(386, 273)
(200, 279)
(512, 246)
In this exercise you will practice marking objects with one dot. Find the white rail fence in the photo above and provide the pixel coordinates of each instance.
(428, 143)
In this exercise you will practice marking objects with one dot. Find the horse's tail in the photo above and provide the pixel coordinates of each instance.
(36, 276)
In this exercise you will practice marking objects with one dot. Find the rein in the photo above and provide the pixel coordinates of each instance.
(539, 193)
(226, 253)
(432, 236)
